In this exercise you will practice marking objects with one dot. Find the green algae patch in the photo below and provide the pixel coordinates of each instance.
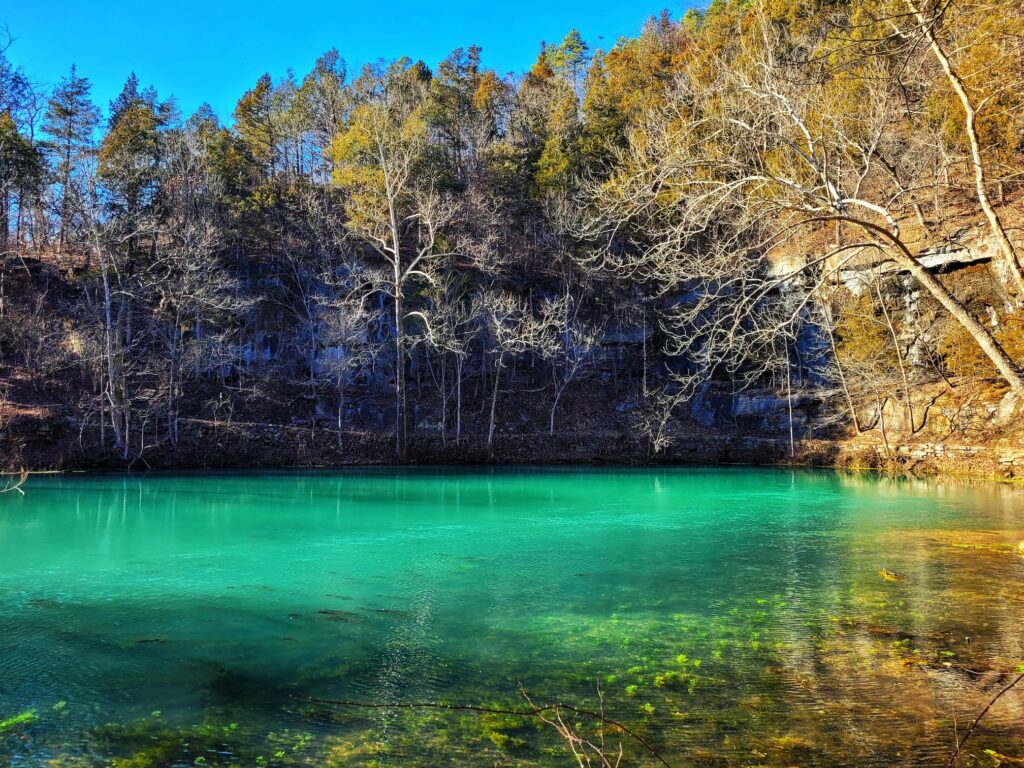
(18, 721)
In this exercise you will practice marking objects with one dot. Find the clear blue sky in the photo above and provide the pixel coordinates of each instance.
(205, 50)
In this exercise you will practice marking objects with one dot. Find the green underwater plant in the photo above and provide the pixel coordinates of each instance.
(20, 720)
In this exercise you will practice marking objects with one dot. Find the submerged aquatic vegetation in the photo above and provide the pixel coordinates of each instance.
(723, 633)
(18, 721)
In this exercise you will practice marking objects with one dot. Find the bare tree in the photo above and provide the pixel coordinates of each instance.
(450, 326)
(724, 197)
(15, 485)
(375, 161)
(348, 351)
(114, 312)
(570, 348)
(190, 287)
(509, 330)
(928, 21)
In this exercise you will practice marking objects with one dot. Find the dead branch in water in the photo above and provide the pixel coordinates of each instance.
(582, 749)
(967, 735)
(15, 484)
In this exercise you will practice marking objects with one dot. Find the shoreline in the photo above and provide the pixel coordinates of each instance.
(1001, 464)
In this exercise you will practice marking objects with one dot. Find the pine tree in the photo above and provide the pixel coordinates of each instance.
(69, 123)
(130, 155)
(125, 100)
(569, 58)
(254, 122)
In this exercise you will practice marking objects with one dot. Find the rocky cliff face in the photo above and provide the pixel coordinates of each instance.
(268, 416)
(979, 433)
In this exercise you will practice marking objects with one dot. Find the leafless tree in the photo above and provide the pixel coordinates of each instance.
(509, 329)
(571, 346)
(397, 213)
(348, 351)
(927, 20)
(725, 195)
(449, 328)
(115, 314)
(190, 287)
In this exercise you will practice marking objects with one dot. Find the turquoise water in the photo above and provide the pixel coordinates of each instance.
(731, 617)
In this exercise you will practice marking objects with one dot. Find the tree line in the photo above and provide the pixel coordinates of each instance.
(752, 194)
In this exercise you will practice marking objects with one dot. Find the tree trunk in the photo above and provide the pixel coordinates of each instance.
(64, 201)
(458, 400)
(399, 377)
(444, 400)
(494, 403)
(341, 409)
(1006, 249)
(839, 367)
(881, 422)
(108, 349)
(992, 349)
(789, 408)
(907, 395)
(986, 341)
(644, 354)
(554, 407)
(4, 219)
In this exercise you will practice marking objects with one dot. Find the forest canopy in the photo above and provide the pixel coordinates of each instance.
(760, 195)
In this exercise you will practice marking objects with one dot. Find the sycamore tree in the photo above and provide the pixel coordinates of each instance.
(753, 187)
(380, 165)
(570, 348)
(196, 302)
(349, 352)
(122, 209)
(508, 329)
(970, 66)
(449, 329)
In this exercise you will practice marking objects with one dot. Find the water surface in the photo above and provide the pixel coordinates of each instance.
(732, 617)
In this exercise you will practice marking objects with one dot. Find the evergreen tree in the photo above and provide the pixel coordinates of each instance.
(569, 59)
(126, 99)
(254, 122)
(130, 154)
(69, 123)
(19, 172)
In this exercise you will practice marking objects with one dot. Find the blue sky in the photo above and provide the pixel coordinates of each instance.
(213, 51)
